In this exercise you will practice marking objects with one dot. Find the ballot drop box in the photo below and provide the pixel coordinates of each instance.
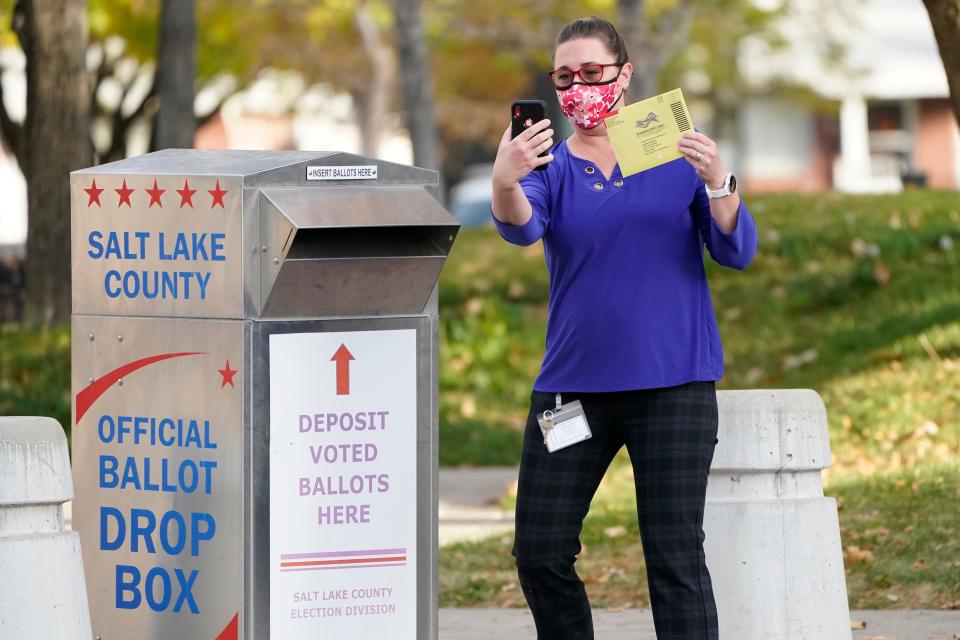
(254, 386)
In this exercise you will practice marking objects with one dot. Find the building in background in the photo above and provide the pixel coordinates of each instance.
(278, 112)
(893, 123)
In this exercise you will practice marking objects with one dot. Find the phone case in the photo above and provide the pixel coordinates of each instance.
(524, 114)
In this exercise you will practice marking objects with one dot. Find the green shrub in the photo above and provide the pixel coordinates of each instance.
(35, 372)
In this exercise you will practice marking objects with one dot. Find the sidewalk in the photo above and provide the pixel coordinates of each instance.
(637, 624)
(468, 497)
(468, 511)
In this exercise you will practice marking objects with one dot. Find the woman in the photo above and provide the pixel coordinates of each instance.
(631, 333)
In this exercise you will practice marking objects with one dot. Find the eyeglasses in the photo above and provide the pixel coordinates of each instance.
(589, 73)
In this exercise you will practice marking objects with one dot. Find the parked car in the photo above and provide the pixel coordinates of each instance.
(470, 198)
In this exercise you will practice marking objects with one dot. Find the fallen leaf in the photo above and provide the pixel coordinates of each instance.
(854, 553)
(615, 532)
(468, 406)
(609, 572)
(919, 564)
(516, 290)
(892, 597)
(882, 274)
(792, 361)
(858, 247)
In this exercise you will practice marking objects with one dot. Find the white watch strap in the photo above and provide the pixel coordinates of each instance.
(722, 191)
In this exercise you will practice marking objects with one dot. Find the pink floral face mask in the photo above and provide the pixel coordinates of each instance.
(588, 104)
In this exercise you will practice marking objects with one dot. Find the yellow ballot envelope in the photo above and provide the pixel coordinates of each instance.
(645, 134)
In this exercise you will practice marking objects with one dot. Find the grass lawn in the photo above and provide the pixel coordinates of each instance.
(900, 531)
(856, 297)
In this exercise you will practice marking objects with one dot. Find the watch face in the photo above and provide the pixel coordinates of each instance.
(733, 183)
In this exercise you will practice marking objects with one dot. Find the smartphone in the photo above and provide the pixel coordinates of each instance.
(523, 115)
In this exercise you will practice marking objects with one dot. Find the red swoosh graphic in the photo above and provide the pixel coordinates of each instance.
(230, 631)
(98, 387)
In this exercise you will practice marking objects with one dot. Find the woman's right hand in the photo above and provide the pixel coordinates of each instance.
(518, 156)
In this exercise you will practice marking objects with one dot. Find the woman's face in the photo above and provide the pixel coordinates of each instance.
(573, 54)
(581, 104)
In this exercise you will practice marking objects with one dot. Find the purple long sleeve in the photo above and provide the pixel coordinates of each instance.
(630, 306)
(734, 250)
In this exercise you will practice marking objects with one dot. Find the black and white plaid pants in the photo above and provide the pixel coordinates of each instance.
(670, 434)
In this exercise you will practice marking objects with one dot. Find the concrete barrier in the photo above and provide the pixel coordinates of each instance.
(42, 590)
(772, 538)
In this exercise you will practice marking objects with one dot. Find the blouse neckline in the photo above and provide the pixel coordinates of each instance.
(598, 174)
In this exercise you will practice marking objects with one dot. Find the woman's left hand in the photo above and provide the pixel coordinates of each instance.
(701, 152)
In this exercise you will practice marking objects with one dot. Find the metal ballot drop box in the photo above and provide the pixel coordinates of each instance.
(254, 380)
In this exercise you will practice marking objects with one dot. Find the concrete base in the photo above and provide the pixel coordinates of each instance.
(772, 539)
(43, 593)
(39, 597)
(772, 563)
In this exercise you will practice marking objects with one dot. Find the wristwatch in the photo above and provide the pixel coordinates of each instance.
(729, 186)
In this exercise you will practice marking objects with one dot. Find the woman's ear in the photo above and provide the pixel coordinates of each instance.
(626, 72)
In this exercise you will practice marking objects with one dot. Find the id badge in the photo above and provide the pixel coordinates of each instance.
(564, 425)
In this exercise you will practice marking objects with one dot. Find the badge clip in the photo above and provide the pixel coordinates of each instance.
(563, 425)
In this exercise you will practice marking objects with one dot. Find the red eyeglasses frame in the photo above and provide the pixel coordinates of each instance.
(576, 73)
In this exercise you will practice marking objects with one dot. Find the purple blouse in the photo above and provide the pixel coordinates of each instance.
(630, 306)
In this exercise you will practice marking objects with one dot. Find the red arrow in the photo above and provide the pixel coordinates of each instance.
(343, 357)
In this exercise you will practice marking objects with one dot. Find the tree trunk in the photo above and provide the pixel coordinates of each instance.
(56, 140)
(176, 69)
(417, 83)
(373, 104)
(652, 45)
(945, 18)
(633, 29)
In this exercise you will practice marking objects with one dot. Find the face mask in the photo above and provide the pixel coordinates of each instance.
(587, 104)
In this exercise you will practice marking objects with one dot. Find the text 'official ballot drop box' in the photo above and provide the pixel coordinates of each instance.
(255, 395)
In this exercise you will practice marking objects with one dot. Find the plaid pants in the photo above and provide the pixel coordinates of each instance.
(670, 434)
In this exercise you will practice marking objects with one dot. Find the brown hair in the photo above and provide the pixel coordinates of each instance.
(594, 27)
